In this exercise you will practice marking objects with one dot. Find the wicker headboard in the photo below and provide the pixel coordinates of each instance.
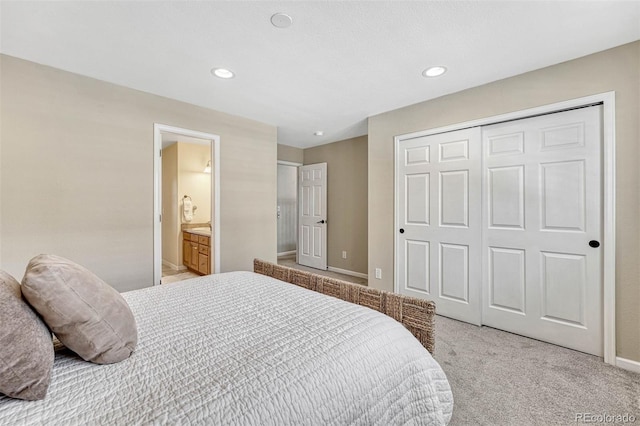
(416, 315)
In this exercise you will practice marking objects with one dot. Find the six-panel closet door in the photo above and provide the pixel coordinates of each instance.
(542, 228)
(438, 240)
(501, 225)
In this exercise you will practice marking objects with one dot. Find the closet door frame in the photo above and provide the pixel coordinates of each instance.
(607, 100)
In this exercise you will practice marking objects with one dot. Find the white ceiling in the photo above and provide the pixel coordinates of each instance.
(339, 63)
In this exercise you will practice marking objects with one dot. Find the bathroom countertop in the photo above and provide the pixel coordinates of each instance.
(199, 231)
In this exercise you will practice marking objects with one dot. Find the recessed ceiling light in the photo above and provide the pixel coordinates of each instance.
(281, 20)
(318, 133)
(222, 73)
(434, 71)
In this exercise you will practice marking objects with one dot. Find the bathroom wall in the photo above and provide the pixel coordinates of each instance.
(192, 180)
(183, 174)
(170, 217)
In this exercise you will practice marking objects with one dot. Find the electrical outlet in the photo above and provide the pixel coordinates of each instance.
(344, 254)
(378, 273)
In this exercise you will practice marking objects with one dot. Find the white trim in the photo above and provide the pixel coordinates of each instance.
(289, 163)
(157, 195)
(516, 115)
(172, 266)
(628, 364)
(609, 225)
(396, 149)
(286, 253)
(215, 200)
(347, 272)
(607, 99)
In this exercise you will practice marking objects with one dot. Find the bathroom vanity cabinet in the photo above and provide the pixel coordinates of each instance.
(196, 251)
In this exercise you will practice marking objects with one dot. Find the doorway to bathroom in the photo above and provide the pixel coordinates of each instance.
(287, 211)
(186, 204)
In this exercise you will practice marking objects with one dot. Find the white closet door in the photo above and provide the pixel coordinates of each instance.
(542, 214)
(438, 252)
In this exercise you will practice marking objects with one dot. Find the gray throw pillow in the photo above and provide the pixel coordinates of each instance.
(86, 314)
(26, 348)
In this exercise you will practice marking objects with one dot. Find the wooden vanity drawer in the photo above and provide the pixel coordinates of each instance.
(203, 264)
(203, 249)
(194, 238)
(203, 240)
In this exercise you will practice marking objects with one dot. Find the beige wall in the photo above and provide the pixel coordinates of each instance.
(612, 70)
(170, 218)
(290, 153)
(77, 174)
(346, 200)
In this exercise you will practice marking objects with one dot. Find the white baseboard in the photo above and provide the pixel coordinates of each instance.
(172, 266)
(286, 253)
(628, 364)
(346, 272)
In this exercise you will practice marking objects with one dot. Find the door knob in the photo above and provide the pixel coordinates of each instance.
(401, 231)
(321, 221)
(594, 243)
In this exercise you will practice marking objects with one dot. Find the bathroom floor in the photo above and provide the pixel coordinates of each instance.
(171, 276)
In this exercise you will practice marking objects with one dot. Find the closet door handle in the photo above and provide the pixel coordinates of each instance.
(321, 221)
(594, 243)
(401, 230)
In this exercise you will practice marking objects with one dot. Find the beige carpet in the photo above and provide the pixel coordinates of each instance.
(499, 378)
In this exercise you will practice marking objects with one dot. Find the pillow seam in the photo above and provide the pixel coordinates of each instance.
(102, 319)
(110, 327)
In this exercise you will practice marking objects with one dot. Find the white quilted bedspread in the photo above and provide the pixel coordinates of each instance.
(241, 348)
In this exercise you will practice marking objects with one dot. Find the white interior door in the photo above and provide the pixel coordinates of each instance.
(438, 235)
(312, 216)
(542, 217)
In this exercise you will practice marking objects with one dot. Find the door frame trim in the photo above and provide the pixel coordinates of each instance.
(157, 196)
(607, 100)
(289, 163)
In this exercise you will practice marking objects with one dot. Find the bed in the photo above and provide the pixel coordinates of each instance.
(246, 348)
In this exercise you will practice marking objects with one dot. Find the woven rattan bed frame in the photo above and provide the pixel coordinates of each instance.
(416, 315)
